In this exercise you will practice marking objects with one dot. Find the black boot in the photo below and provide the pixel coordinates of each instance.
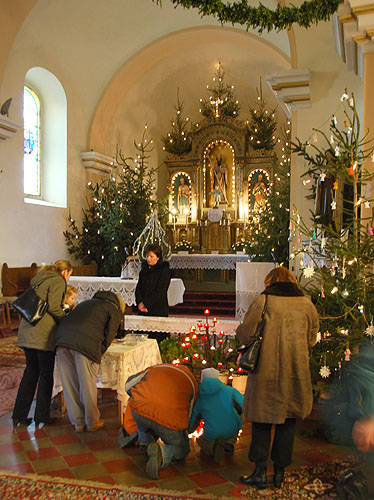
(278, 476)
(257, 478)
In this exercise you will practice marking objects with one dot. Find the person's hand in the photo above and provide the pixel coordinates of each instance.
(238, 359)
(363, 434)
(142, 308)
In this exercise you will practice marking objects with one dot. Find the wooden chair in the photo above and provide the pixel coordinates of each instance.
(16, 280)
(85, 269)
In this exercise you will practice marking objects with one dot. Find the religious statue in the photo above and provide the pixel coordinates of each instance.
(259, 192)
(217, 197)
(183, 195)
(220, 172)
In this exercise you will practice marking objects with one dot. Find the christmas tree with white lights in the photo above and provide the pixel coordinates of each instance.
(335, 250)
(177, 140)
(262, 125)
(118, 211)
(222, 102)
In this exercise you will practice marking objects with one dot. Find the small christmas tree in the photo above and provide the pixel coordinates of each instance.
(117, 213)
(152, 233)
(336, 252)
(222, 102)
(262, 126)
(268, 233)
(177, 141)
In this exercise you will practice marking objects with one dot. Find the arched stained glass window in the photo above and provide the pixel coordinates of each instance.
(31, 154)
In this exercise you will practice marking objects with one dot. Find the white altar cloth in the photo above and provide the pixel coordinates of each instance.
(249, 284)
(119, 362)
(175, 324)
(88, 285)
(190, 261)
(206, 261)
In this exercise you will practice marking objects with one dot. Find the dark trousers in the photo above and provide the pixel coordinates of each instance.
(39, 368)
(281, 450)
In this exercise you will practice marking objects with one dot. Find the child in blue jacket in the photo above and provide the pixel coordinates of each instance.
(220, 407)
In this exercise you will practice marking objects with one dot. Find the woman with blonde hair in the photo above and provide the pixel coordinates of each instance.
(38, 343)
(280, 389)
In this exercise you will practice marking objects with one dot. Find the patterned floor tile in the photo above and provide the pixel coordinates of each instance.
(40, 453)
(48, 464)
(80, 459)
(23, 468)
(89, 472)
(126, 464)
(207, 478)
(65, 439)
(65, 473)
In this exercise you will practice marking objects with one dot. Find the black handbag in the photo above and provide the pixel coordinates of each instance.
(250, 352)
(30, 306)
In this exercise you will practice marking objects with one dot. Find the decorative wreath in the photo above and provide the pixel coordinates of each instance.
(263, 18)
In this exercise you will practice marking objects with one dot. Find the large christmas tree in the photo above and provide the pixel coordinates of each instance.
(118, 211)
(335, 250)
(262, 125)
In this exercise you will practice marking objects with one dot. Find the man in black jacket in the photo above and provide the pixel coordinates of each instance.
(81, 340)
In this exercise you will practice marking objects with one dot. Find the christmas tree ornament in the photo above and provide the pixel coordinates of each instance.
(370, 330)
(325, 371)
(308, 271)
(322, 177)
(333, 205)
(323, 296)
(335, 185)
(347, 354)
(350, 170)
(370, 230)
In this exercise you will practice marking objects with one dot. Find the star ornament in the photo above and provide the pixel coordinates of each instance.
(333, 205)
(322, 177)
(325, 371)
(308, 271)
(370, 330)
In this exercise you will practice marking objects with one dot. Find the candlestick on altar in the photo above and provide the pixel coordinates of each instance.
(186, 212)
(174, 212)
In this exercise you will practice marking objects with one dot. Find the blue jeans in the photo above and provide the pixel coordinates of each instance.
(177, 445)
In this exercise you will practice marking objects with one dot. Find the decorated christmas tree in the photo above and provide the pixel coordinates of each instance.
(335, 249)
(118, 211)
(177, 141)
(262, 125)
(222, 102)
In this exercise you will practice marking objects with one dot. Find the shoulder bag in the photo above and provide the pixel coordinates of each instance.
(250, 352)
(30, 306)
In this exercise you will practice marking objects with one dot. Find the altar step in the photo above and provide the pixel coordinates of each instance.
(194, 304)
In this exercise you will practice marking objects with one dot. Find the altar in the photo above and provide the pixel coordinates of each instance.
(88, 285)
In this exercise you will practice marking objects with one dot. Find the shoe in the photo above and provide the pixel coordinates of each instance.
(46, 421)
(257, 478)
(80, 428)
(96, 427)
(219, 450)
(229, 449)
(278, 476)
(154, 462)
(23, 421)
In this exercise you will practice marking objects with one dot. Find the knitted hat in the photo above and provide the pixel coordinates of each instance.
(209, 372)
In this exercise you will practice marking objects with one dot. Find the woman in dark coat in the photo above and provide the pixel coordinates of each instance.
(280, 389)
(38, 342)
(152, 289)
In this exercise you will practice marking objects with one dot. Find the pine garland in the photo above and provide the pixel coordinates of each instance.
(262, 18)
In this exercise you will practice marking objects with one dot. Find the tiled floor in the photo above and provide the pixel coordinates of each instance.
(59, 451)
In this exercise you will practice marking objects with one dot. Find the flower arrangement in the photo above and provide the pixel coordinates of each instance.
(240, 245)
(183, 245)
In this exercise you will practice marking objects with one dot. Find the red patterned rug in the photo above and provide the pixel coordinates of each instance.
(10, 353)
(317, 483)
(30, 486)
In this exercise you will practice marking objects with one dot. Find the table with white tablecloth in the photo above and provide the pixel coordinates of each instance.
(122, 359)
(175, 325)
(88, 285)
(249, 284)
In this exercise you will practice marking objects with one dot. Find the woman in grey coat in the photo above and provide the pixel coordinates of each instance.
(38, 342)
(280, 389)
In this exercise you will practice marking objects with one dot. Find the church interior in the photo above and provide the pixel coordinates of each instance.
(107, 76)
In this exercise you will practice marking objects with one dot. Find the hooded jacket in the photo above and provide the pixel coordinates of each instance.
(51, 287)
(281, 385)
(152, 288)
(218, 406)
(91, 326)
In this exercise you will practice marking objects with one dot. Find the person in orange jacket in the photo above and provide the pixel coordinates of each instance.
(161, 402)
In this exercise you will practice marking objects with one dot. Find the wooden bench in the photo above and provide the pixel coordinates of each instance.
(16, 280)
(85, 269)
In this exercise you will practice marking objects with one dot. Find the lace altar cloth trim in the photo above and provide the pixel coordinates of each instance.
(175, 324)
(88, 285)
(119, 362)
(206, 261)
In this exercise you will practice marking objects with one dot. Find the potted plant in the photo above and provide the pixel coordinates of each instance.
(183, 247)
(240, 246)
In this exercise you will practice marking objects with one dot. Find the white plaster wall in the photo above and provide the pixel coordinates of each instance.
(84, 44)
